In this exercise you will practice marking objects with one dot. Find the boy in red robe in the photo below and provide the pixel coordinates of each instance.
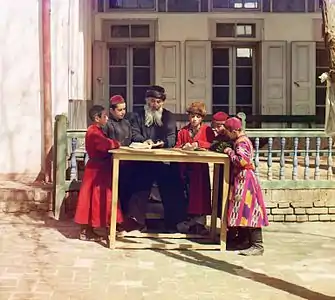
(94, 200)
(196, 175)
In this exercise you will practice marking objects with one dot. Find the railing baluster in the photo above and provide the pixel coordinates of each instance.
(282, 158)
(295, 158)
(86, 158)
(73, 161)
(330, 159)
(269, 174)
(317, 158)
(257, 157)
(306, 170)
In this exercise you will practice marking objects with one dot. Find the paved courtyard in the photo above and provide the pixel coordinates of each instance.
(41, 259)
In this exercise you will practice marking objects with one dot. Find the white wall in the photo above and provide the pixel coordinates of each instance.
(21, 76)
(20, 92)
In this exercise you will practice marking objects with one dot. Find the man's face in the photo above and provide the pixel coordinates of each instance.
(195, 120)
(103, 119)
(119, 112)
(154, 103)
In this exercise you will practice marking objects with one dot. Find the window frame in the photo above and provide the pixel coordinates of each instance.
(232, 103)
(108, 10)
(108, 23)
(130, 67)
(258, 23)
(213, 9)
(318, 84)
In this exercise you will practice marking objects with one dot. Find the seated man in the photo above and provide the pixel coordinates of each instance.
(156, 125)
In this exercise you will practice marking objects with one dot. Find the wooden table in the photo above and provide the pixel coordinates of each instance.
(173, 155)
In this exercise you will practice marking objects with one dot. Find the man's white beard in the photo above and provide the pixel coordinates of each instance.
(153, 117)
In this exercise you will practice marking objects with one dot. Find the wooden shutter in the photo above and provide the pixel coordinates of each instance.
(99, 70)
(303, 78)
(167, 58)
(274, 69)
(198, 72)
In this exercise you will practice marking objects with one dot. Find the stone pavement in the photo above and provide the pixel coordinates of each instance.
(41, 259)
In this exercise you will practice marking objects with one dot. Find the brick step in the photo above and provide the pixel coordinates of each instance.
(20, 197)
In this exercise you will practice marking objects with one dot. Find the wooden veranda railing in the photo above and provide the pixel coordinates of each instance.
(284, 159)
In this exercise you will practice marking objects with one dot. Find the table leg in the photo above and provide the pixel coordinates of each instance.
(225, 191)
(115, 196)
(215, 197)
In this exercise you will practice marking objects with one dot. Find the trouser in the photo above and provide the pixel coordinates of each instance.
(170, 188)
(125, 182)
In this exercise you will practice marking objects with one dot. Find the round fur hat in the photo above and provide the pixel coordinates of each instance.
(197, 108)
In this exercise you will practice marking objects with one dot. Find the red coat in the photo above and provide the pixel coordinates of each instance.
(94, 200)
(198, 173)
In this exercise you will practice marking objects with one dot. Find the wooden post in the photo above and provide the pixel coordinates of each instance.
(328, 18)
(60, 147)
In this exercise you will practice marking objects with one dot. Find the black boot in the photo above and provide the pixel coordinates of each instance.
(256, 241)
(238, 238)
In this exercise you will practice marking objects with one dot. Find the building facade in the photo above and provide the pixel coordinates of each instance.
(255, 56)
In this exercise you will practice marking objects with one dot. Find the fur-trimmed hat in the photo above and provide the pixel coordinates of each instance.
(197, 108)
(233, 124)
(156, 91)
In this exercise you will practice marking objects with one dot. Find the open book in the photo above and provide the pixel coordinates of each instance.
(140, 146)
(135, 145)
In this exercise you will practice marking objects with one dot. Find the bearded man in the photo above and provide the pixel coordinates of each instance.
(156, 126)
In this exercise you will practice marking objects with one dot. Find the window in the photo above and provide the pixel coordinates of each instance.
(320, 88)
(131, 73)
(290, 5)
(183, 5)
(130, 31)
(236, 4)
(127, 4)
(118, 31)
(233, 79)
(235, 30)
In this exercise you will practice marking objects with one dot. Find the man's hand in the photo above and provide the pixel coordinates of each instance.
(158, 144)
(149, 142)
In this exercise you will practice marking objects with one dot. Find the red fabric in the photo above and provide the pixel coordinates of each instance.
(200, 191)
(117, 99)
(220, 116)
(94, 200)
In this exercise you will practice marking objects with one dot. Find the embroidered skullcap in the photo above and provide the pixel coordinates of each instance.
(156, 91)
(116, 99)
(220, 116)
(233, 124)
(197, 108)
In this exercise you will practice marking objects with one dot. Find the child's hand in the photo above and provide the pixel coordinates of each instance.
(227, 150)
(188, 146)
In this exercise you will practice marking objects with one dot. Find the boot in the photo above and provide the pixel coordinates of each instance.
(256, 241)
(87, 234)
(238, 238)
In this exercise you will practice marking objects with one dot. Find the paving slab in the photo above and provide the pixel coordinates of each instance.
(42, 259)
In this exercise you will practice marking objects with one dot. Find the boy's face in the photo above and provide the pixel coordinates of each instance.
(218, 127)
(232, 135)
(103, 119)
(195, 120)
(119, 112)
